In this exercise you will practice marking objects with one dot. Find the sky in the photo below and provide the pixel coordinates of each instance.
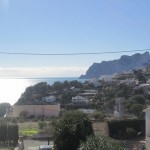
(68, 26)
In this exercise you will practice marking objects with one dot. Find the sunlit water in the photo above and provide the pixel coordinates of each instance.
(11, 89)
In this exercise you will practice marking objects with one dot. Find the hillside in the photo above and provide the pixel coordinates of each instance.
(125, 63)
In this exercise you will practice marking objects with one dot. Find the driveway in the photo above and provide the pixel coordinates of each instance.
(30, 144)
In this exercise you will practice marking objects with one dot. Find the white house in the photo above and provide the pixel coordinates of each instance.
(147, 123)
(49, 99)
(79, 99)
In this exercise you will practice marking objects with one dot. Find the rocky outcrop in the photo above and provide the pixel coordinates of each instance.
(125, 63)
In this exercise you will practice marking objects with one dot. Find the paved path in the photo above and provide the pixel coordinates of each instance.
(30, 144)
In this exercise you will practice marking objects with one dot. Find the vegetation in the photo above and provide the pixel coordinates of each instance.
(129, 133)
(136, 109)
(42, 124)
(100, 142)
(28, 131)
(136, 99)
(125, 129)
(140, 76)
(72, 128)
(62, 90)
(99, 116)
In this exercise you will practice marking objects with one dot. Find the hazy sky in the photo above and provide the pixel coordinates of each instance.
(68, 26)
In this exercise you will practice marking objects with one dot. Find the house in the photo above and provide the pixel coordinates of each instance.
(79, 99)
(37, 110)
(49, 99)
(147, 124)
(89, 94)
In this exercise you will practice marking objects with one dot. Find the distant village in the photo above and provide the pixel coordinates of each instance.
(120, 96)
(110, 92)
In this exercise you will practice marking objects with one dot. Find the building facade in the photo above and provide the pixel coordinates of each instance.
(49, 99)
(37, 110)
(79, 99)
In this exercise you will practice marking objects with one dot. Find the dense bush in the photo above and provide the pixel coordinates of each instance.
(136, 109)
(138, 99)
(42, 124)
(100, 142)
(72, 128)
(130, 133)
(119, 128)
(99, 116)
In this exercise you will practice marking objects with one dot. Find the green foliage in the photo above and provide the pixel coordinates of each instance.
(72, 128)
(140, 76)
(76, 84)
(136, 109)
(34, 94)
(99, 116)
(41, 88)
(28, 131)
(123, 90)
(42, 124)
(100, 142)
(138, 99)
(138, 91)
(120, 129)
(129, 133)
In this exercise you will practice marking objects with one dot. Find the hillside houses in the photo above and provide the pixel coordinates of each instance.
(49, 99)
(79, 100)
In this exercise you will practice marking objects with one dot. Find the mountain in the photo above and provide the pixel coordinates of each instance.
(125, 63)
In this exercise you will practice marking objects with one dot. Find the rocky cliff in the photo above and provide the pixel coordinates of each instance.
(125, 63)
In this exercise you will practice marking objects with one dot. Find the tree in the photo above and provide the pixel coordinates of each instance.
(99, 116)
(136, 109)
(138, 98)
(140, 76)
(41, 88)
(70, 129)
(100, 142)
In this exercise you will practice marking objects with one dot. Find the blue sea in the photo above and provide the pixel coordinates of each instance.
(12, 88)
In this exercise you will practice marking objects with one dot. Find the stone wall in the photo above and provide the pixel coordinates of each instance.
(37, 110)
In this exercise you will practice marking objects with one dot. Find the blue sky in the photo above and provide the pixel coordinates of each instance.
(68, 26)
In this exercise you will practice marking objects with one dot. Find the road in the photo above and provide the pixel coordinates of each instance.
(34, 144)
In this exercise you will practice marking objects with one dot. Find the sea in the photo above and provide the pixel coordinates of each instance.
(12, 88)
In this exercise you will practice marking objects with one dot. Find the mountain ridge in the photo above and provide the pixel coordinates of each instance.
(125, 63)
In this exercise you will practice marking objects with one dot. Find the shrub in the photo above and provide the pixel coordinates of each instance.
(117, 128)
(136, 109)
(100, 142)
(99, 116)
(129, 133)
(72, 128)
(42, 124)
(23, 114)
(138, 98)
